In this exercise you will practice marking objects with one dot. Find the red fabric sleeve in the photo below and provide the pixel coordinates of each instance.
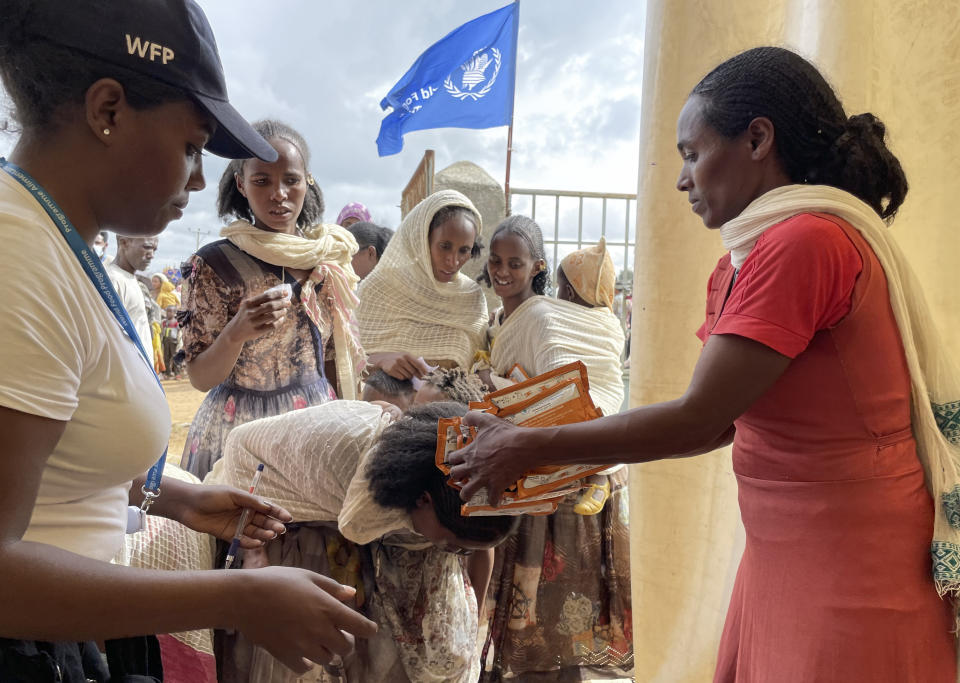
(798, 280)
(718, 278)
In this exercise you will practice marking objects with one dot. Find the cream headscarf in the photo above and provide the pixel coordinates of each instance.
(591, 273)
(404, 308)
(325, 250)
(935, 382)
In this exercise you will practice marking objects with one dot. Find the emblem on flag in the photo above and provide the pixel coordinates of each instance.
(474, 73)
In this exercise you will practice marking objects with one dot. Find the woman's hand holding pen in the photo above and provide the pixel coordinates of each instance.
(215, 510)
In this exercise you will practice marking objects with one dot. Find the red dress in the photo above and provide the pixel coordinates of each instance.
(835, 581)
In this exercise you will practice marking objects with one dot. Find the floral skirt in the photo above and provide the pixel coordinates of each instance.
(227, 406)
(421, 599)
(560, 596)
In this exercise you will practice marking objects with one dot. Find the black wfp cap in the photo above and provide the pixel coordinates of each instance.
(169, 40)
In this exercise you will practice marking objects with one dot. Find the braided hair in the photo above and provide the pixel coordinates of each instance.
(457, 384)
(231, 203)
(403, 466)
(815, 141)
(528, 230)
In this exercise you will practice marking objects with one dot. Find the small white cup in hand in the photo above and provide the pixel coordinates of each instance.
(284, 288)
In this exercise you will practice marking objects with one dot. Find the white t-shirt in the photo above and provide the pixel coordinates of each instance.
(128, 287)
(64, 356)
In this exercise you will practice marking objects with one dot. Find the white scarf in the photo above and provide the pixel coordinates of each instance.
(404, 308)
(934, 380)
(543, 334)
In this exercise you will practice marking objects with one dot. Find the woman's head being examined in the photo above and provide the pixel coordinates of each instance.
(136, 125)
(403, 474)
(453, 238)
(767, 118)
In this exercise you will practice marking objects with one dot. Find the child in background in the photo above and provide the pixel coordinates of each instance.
(170, 340)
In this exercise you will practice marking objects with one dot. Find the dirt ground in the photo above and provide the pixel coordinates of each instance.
(184, 401)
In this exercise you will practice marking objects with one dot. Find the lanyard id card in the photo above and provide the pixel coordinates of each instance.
(93, 267)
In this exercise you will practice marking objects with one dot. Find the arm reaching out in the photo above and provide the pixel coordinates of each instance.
(731, 374)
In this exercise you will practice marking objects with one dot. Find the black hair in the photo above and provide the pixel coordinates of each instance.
(457, 384)
(44, 79)
(529, 231)
(815, 140)
(388, 385)
(371, 235)
(105, 235)
(403, 466)
(446, 213)
(230, 203)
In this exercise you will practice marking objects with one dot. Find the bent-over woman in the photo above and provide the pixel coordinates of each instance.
(368, 501)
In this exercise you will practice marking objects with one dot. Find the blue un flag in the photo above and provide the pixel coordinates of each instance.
(464, 80)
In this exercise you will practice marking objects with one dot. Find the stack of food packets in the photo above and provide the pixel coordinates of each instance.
(557, 397)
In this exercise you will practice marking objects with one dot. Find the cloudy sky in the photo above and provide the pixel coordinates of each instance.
(323, 67)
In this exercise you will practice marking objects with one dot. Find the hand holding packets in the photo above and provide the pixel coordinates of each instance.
(498, 461)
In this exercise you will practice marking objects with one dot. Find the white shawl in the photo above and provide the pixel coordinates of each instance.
(315, 464)
(169, 545)
(935, 382)
(404, 308)
(543, 334)
(313, 459)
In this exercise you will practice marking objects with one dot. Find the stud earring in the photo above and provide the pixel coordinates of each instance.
(106, 131)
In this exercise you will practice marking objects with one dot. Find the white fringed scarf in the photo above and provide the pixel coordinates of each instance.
(326, 251)
(934, 380)
(404, 308)
(543, 334)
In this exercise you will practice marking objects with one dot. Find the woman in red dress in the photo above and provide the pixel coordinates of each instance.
(815, 367)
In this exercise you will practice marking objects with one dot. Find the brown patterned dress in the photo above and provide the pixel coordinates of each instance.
(560, 596)
(281, 371)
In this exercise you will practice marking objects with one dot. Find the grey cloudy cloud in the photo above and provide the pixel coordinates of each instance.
(324, 67)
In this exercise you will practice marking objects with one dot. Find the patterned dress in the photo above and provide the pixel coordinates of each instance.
(560, 595)
(281, 371)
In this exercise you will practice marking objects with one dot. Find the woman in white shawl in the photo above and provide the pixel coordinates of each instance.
(267, 312)
(547, 574)
(416, 304)
(370, 507)
(822, 365)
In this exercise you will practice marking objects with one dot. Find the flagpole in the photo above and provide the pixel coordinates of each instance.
(506, 182)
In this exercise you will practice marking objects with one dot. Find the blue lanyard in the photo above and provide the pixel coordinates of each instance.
(92, 267)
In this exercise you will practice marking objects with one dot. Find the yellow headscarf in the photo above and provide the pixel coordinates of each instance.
(168, 294)
(590, 272)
